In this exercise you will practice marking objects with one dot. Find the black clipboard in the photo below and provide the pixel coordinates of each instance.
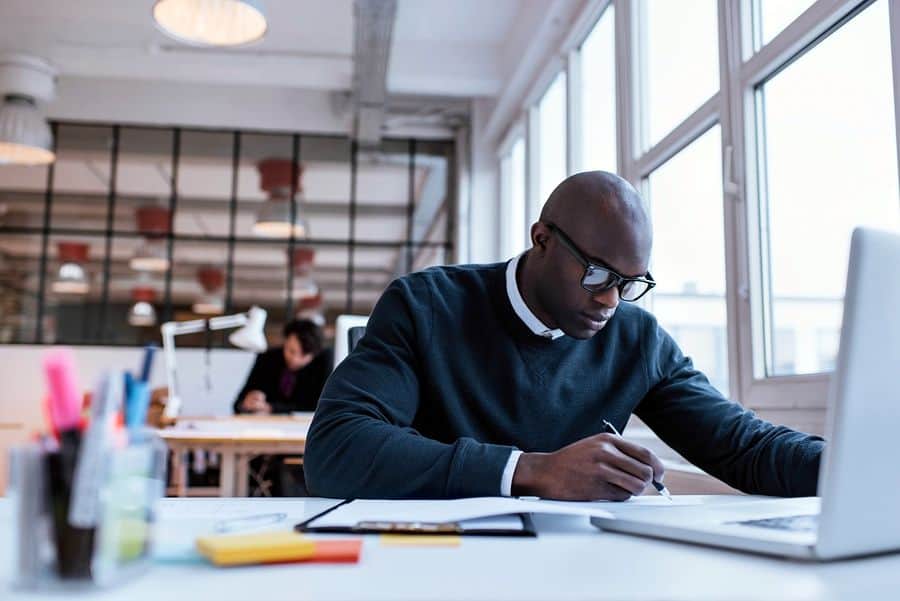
(446, 528)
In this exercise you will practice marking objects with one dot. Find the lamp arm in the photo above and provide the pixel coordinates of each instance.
(170, 329)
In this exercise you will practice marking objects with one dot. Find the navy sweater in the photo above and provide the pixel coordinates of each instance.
(448, 380)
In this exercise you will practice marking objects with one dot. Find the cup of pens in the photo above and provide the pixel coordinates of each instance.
(85, 492)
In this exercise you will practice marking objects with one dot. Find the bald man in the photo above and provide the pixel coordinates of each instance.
(485, 380)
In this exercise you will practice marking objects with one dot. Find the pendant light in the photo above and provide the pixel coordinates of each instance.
(212, 22)
(25, 137)
(274, 219)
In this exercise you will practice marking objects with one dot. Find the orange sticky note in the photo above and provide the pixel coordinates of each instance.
(336, 551)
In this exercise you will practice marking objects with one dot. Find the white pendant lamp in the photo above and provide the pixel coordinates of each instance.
(25, 137)
(212, 22)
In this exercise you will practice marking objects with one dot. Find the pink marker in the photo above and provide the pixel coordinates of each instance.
(65, 393)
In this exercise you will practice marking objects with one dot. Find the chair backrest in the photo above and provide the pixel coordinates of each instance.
(354, 335)
(344, 338)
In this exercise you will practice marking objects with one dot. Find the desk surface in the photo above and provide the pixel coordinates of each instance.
(569, 560)
(243, 429)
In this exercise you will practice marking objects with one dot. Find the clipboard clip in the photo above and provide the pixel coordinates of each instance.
(410, 527)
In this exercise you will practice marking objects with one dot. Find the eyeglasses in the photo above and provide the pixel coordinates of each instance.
(600, 278)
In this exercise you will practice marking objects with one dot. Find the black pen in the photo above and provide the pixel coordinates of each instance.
(611, 429)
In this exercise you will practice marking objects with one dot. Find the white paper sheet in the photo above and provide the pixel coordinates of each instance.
(456, 510)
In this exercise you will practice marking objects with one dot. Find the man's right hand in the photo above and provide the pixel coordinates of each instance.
(600, 467)
(255, 402)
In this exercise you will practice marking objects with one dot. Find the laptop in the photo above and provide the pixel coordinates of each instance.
(856, 512)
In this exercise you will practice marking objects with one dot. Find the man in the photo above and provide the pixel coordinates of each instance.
(289, 378)
(495, 379)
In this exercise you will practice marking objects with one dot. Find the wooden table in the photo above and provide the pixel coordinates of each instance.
(237, 439)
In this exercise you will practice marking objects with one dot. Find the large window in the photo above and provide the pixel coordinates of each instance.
(552, 136)
(598, 95)
(513, 226)
(829, 163)
(761, 132)
(688, 262)
(133, 226)
(680, 50)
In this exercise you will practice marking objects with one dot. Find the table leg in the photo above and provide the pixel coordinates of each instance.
(179, 472)
(226, 474)
(242, 475)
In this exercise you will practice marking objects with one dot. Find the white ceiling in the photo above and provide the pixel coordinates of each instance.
(439, 48)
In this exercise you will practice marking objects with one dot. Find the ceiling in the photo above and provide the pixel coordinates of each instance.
(438, 47)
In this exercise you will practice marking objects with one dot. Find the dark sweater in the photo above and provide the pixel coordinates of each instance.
(267, 373)
(448, 380)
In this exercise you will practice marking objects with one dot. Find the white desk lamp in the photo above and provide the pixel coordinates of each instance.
(250, 337)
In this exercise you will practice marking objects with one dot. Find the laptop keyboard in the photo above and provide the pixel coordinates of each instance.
(795, 523)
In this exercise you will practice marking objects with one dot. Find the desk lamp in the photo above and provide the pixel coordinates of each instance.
(249, 337)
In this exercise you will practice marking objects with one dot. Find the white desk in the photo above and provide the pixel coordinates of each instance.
(569, 560)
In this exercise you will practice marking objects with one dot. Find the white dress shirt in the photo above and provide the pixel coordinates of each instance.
(540, 329)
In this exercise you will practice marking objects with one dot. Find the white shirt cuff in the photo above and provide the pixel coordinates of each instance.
(508, 473)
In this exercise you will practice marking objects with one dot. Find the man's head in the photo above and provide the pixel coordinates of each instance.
(302, 342)
(601, 218)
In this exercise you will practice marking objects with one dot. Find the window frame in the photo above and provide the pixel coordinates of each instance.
(742, 67)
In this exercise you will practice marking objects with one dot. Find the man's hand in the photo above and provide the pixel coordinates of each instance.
(255, 402)
(603, 466)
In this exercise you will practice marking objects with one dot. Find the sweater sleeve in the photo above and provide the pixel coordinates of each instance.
(254, 382)
(361, 442)
(718, 435)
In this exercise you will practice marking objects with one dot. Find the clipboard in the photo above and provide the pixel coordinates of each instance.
(399, 527)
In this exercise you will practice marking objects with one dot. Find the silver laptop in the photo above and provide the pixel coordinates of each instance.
(858, 511)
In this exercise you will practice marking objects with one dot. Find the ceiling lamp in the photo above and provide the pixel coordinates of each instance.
(142, 313)
(212, 22)
(25, 137)
(210, 302)
(153, 222)
(280, 178)
(71, 277)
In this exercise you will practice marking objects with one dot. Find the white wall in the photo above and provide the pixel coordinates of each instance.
(22, 381)
(200, 105)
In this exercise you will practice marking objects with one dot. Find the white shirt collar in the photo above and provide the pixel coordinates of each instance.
(518, 304)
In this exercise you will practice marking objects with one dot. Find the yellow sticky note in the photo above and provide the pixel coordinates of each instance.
(419, 540)
(266, 547)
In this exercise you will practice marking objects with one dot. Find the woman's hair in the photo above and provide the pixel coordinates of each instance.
(307, 332)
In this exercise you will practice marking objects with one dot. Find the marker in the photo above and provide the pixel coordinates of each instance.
(147, 362)
(659, 486)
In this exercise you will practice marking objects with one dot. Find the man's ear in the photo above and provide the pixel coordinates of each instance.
(539, 236)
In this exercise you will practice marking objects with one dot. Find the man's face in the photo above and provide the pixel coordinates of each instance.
(577, 312)
(294, 356)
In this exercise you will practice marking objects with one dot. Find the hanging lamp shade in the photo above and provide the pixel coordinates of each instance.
(25, 136)
(71, 277)
(212, 22)
(211, 301)
(280, 177)
(142, 312)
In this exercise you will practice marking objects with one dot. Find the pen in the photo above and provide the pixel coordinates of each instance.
(250, 521)
(659, 486)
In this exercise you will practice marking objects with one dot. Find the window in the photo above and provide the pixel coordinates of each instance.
(688, 262)
(513, 227)
(552, 139)
(598, 96)
(774, 15)
(108, 268)
(682, 62)
(828, 164)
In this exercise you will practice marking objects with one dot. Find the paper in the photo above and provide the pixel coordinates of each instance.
(457, 510)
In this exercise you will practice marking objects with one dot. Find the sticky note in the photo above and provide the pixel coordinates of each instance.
(419, 540)
(336, 551)
(267, 547)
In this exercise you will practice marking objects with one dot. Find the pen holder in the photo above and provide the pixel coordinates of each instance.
(115, 542)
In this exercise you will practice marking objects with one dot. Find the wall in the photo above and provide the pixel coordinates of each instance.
(22, 383)
(199, 105)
